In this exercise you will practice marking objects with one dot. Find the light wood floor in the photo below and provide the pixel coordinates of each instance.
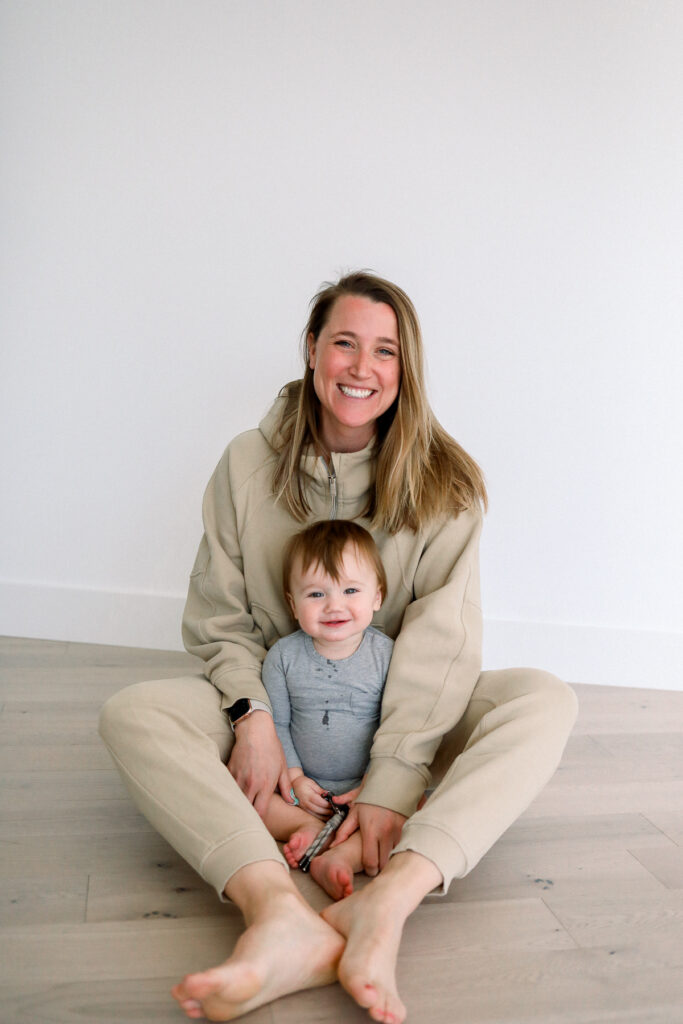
(576, 915)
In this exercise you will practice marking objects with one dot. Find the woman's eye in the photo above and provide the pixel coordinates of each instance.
(387, 352)
(343, 343)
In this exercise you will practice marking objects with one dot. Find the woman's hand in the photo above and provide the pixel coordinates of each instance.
(349, 797)
(257, 762)
(380, 830)
(310, 797)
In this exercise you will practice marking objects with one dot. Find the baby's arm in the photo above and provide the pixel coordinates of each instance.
(274, 679)
(307, 792)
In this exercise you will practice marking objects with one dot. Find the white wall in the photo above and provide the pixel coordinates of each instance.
(179, 176)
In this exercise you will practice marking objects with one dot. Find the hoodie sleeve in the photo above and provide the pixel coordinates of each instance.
(434, 668)
(217, 624)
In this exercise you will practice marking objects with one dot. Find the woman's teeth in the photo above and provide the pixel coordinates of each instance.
(355, 392)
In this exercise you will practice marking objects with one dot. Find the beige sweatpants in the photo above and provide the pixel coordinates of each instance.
(171, 741)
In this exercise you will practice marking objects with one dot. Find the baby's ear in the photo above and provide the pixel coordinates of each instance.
(290, 602)
(378, 601)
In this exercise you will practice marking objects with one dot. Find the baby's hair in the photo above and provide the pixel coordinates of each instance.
(323, 545)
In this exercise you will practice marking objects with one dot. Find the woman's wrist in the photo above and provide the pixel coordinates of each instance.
(244, 708)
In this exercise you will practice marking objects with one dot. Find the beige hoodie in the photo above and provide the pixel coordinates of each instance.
(236, 610)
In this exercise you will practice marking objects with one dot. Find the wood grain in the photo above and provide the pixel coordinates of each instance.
(574, 917)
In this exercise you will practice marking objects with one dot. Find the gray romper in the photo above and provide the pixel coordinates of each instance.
(326, 712)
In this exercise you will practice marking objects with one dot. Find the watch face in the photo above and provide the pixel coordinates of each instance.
(239, 709)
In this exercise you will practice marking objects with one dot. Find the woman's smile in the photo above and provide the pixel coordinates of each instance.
(355, 392)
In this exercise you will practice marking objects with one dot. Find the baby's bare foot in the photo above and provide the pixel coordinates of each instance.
(287, 949)
(333, 873)
(298, 843)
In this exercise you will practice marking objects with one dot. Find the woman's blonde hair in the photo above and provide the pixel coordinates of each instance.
(422, 472)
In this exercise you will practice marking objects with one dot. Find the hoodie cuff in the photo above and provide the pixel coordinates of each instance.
(394, 784)
(235, 684)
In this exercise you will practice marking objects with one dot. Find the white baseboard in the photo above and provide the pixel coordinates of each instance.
(88, 616)
(588, 654)
(577, 653)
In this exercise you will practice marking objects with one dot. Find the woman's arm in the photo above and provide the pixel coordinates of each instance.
(218, 627)
(217, 623)
(435, 665)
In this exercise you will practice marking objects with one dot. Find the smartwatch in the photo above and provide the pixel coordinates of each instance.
(244, 707)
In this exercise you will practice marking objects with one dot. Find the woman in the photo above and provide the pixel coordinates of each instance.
(355, 439)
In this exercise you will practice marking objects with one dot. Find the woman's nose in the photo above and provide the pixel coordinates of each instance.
(361, 364)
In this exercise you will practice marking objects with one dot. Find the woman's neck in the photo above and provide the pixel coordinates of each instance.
(346, 442)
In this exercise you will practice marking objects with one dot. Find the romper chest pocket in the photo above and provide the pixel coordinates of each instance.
(366, 704)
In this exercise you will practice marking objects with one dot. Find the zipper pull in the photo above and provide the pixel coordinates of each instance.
(333, 491)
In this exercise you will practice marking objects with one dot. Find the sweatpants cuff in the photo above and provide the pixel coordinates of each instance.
(438, 846)
(235, 853)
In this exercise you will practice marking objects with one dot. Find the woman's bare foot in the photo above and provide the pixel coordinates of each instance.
(367, 968)
(372, 922)
(298, 843)
(286, 948)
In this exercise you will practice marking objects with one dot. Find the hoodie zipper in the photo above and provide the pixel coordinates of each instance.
(332, 477)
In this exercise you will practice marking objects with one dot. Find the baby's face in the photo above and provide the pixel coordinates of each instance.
(336, 611)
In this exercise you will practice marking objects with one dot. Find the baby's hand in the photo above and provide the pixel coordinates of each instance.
(310, 797)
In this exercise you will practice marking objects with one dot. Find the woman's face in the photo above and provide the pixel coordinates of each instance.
(356, 370)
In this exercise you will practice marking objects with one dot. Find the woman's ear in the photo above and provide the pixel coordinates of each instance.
(310, 342)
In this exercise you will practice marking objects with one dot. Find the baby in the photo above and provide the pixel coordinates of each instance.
(325, 687)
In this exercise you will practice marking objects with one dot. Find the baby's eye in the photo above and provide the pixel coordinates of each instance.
(316, 593)
(351, 590)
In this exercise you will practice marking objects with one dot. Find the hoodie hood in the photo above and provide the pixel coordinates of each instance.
(271, 421)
